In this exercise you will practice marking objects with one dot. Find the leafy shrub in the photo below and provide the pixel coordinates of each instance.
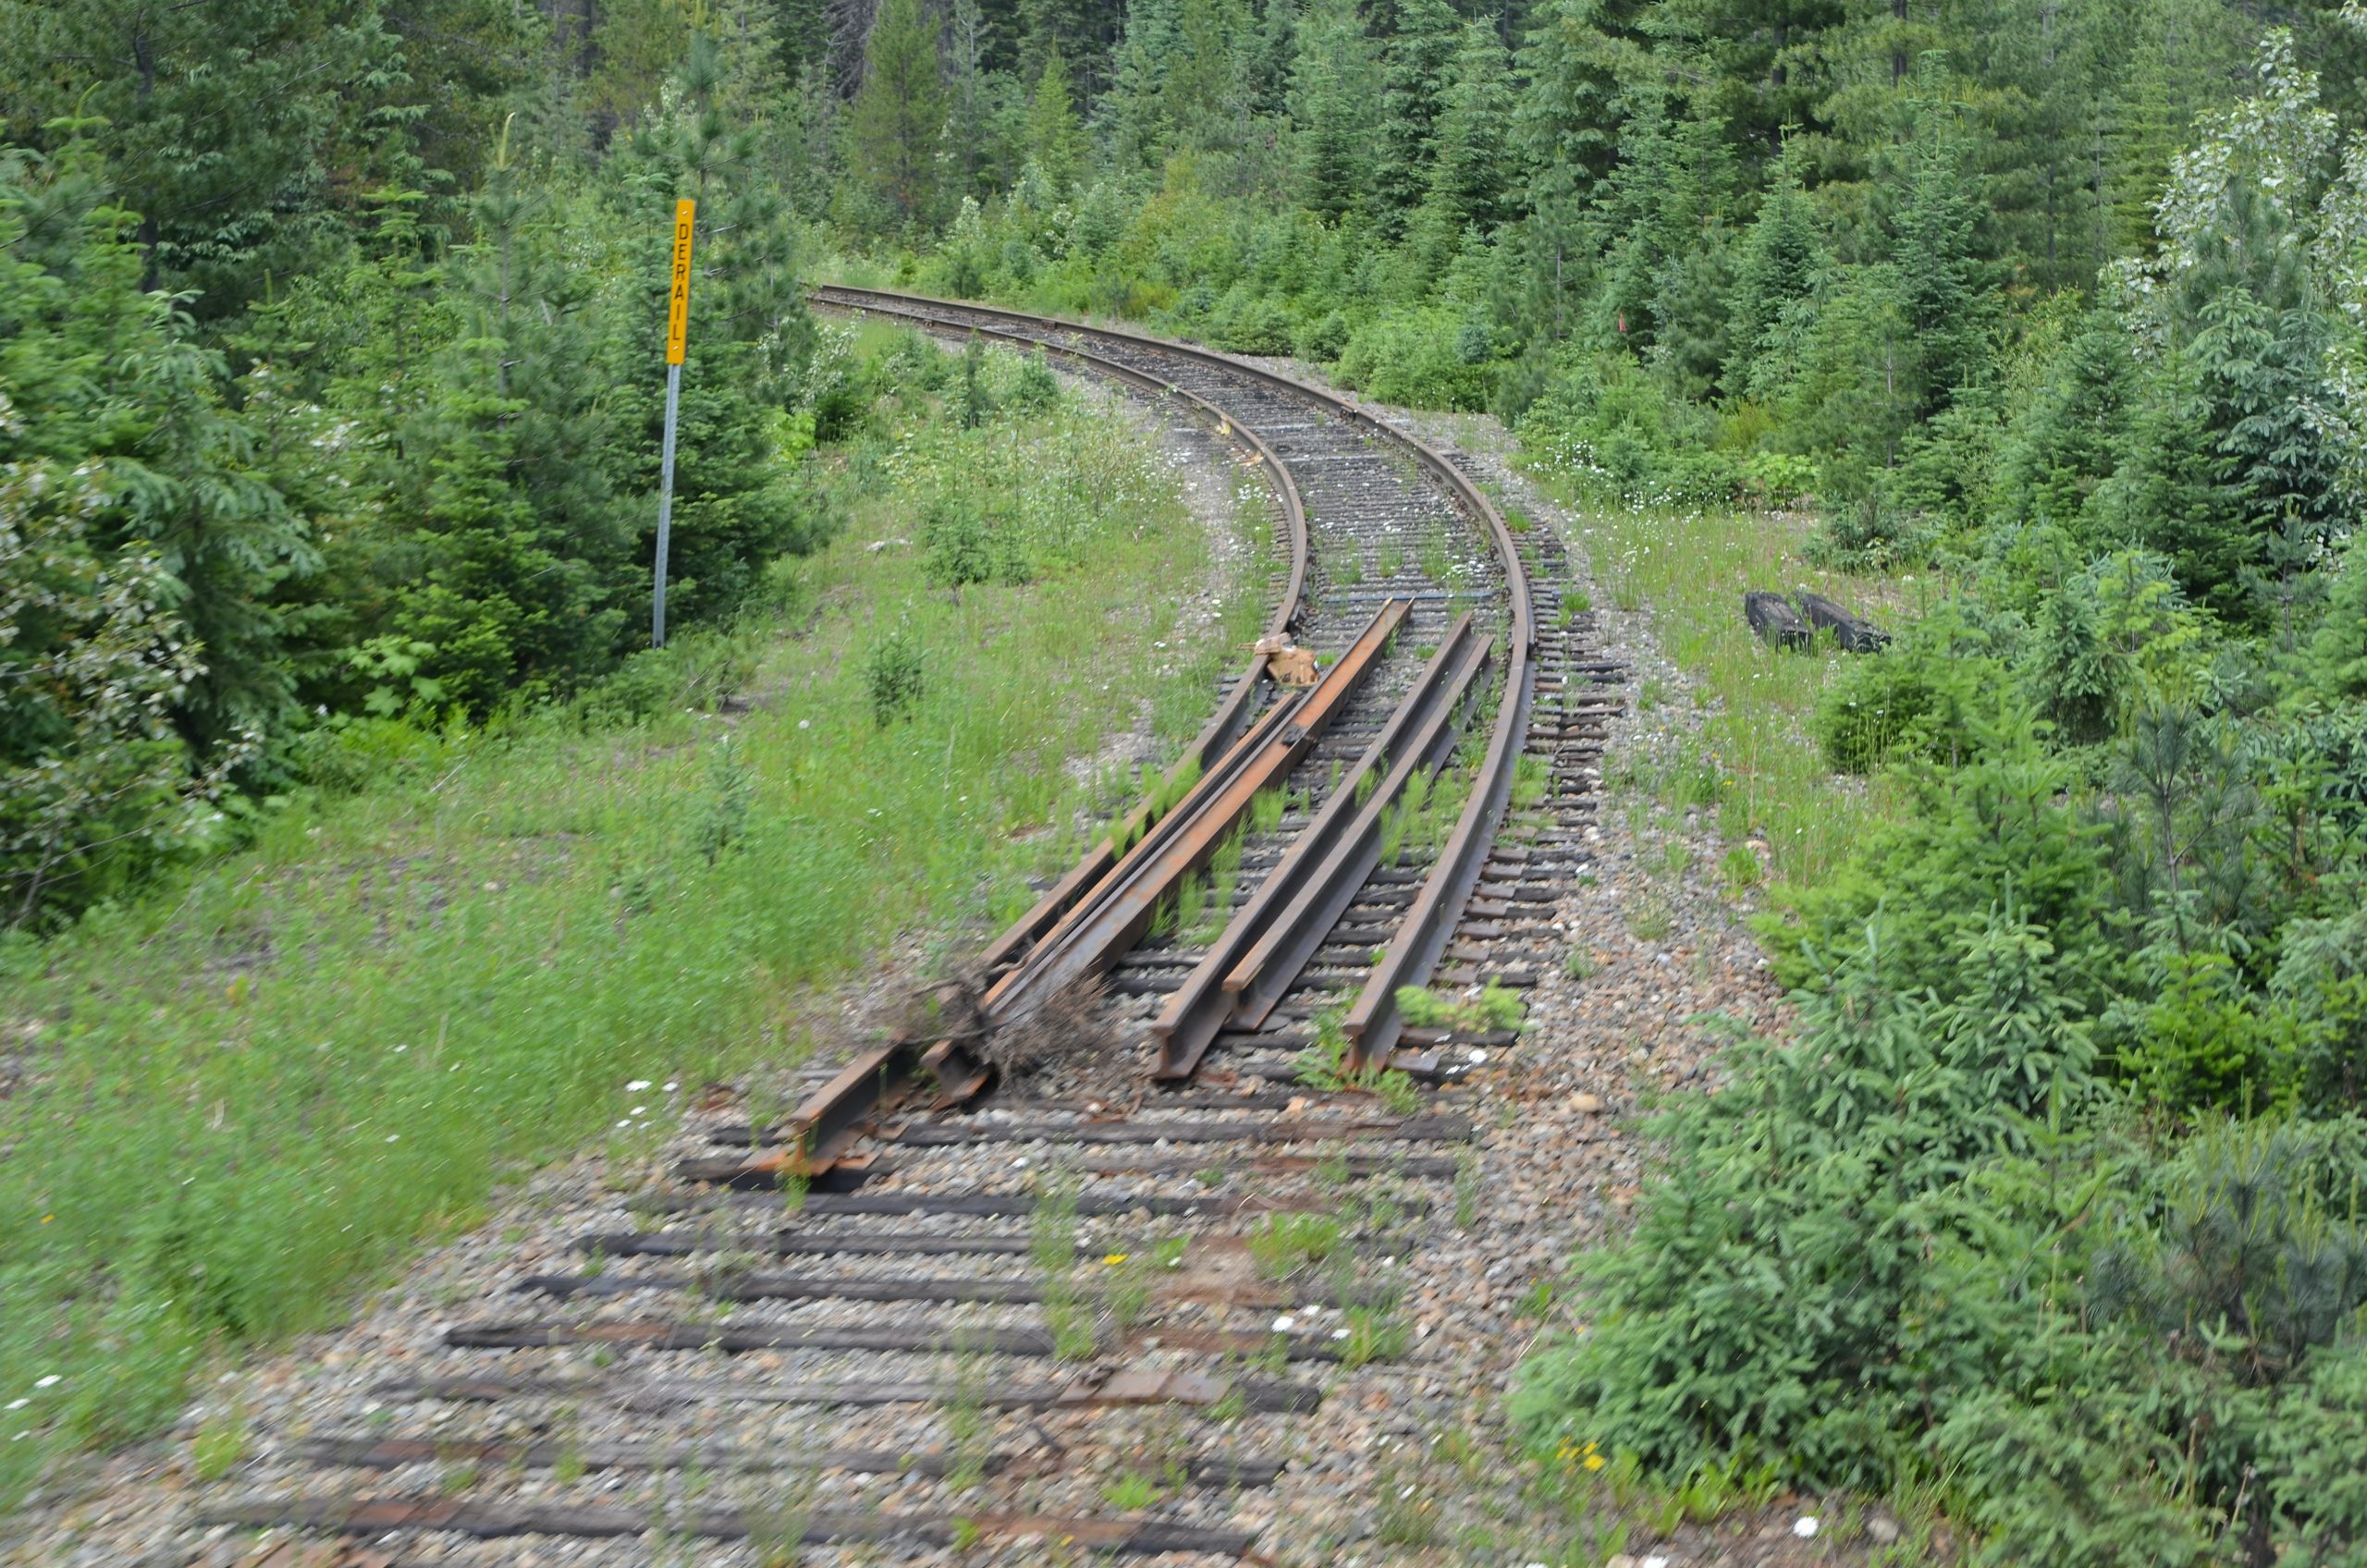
(1770, 480)
(1931, 694)
(698, 669)
(961, 545)
(2201, 1041)
(1869, 533)
(2311, 1457)
(1800, 1283)
(1034, 387)
(648, 684)
(1416, 358)
(1324, 338)
(2319, 986)
(1872, 1259)
(894, 675)
(353, 755)
(1999, 833)
(1610, 425)
(1252, 324)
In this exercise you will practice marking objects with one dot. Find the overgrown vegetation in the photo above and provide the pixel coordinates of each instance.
(2049, 1211)
(328, 436)
(242, 1101)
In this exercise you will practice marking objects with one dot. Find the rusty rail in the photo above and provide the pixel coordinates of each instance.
(1107, 921)
(1266, 945)
(1373, 1025)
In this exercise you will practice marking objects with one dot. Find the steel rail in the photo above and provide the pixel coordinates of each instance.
(1232, 713)
(1257, 983)
(1330, 859)
(1373, 1023)
(1108, 919)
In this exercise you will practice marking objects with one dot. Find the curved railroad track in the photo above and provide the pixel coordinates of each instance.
(1022, 1327)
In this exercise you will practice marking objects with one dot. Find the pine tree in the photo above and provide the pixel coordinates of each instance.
(1753, 67)
(635, 46)
(1656, 213)
(1206, 89)
(1418, 57)
(515, 545)
(2176, 58)
(1335, 80)
(736, 505)
(1055, 141)
(1945, 300)
(895, 128)
(1780, 261)
(1087, 33)
(2074, 432)
(1136, 114)
(1272, 55)
(97, 371)
(1468, 178)
(2171, 492)
(2264, 374)
(969, 139)
(1562, 143)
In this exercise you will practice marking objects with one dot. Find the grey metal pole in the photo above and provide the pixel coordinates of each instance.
(664, 505)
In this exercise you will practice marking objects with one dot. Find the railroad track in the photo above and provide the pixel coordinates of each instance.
(1098, 1311)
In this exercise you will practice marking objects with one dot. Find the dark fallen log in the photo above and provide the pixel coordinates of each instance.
(1854, 635)
(1772, 617)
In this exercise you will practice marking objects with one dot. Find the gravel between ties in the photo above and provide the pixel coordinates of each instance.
(1558, 1164)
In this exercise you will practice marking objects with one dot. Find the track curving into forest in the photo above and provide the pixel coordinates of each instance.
(1100, 1309)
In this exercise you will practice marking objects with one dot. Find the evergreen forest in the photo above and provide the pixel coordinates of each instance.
(330, 408)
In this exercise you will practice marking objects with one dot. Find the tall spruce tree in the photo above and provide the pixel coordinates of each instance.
(1335, 80)
(736, 503)
(1780, 261)
(2073, 432)
(1418, 57)
(895, 128)
(1468, 179)
(1135, 114)
(1055, 142)
(1945, 298)
(516, 552)
(1564, 137)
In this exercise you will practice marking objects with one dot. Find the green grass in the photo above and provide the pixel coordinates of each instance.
(1286, 1244)
(254, 1094)
(1756, 763)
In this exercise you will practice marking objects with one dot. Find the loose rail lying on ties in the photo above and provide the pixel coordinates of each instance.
(1271, 939)
(1118, 909)
(861, 1323)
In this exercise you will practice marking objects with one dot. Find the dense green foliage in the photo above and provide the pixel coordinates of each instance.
(2048, 1206)
(328, 420)
(331, 384)
(239, 1103)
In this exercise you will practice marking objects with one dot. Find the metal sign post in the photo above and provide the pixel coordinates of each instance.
(678, 331)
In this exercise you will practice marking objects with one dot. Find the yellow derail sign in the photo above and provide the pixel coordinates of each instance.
(677, 305)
